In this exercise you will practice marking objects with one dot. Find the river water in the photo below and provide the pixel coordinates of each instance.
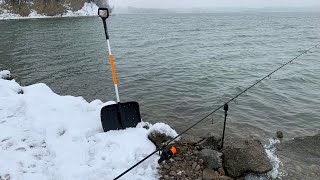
(180, 67)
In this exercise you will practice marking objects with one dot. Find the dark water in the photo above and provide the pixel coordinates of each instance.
(179, 67)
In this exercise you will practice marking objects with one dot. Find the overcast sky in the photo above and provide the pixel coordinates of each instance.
(215, 3)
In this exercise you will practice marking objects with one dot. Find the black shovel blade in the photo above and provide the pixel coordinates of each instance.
(120, 116)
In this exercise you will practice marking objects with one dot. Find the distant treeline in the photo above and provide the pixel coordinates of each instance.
(46, 7)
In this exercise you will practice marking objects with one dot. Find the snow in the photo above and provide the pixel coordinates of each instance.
(47, 136)
(4, 74)
(89, 9)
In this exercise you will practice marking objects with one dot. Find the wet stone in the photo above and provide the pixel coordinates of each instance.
(207, 174)
(225, 178)
(172, 173)
(194, 165)
(279, 134)
(198, 167)
(216, 175)
(221, 171)
(200, 161)
(166, 166)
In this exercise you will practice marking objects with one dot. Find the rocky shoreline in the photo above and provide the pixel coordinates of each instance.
(203, 159)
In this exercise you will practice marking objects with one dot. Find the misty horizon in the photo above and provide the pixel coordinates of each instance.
(137, 9)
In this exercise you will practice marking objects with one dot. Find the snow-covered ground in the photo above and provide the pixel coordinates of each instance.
(47, 136)
(89, 9)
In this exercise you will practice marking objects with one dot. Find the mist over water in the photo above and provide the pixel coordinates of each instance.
(180, 67)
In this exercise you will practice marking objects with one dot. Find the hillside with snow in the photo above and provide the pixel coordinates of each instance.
(45, 136)
(35, 10)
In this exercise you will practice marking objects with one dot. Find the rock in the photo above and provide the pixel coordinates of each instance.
(221, 171)
(225, 178)
(211, 158)
(194, 165)
(172, 173)
(207, 174)
(190, 139)
(279, 135)
(166, 177)
(300, 157)
(200, 161)
(166, 166)
(245, 156)
(195, 152)
(211, 142)
(215, 175)
(198, 167)
(20, 91)
(158, 138)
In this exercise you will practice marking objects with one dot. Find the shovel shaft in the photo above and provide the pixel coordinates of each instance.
(113, 72)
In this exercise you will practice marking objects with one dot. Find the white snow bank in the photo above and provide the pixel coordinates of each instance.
(89, 9)
(6, 15)
(163, 129)
(47, 136)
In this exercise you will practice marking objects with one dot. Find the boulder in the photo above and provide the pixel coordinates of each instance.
(300, 157)
(210, 142)
(158, 138)
(211, 158)
(245, 156)
(279, 134)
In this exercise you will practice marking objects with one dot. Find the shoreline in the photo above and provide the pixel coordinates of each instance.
(187, 164)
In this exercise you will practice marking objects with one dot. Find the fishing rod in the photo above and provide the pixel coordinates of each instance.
(212, 112)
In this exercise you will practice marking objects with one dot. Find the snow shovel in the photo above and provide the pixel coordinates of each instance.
(120, 115)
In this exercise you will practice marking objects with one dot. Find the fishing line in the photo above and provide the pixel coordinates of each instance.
(212, 112)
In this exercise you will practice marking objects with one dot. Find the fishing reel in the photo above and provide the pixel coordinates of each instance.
(167, 154)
